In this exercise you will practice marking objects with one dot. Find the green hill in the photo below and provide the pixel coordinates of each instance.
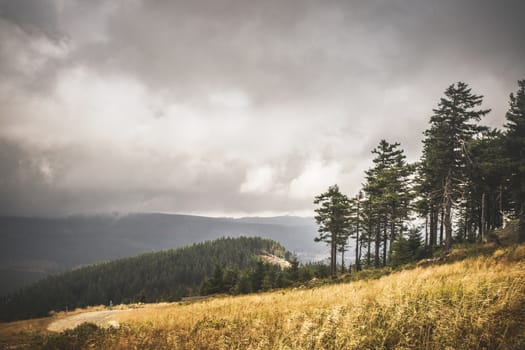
(32, 248)
(162, 276)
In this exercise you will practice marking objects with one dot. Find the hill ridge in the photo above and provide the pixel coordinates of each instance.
(54, 245)
(155, 276)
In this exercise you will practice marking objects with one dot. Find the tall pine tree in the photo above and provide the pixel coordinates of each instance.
(515, 147)
(388, 193)
(452, 126)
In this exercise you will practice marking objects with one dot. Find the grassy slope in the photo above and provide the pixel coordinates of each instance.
(475, 301)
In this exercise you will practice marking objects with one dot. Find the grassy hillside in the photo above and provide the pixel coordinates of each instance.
(475, 300)
(162, 276)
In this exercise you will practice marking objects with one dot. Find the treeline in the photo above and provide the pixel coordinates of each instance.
(163, 276)
(469, 181)
(263, 277)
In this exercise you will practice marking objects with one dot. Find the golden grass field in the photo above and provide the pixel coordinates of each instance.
(474, 303)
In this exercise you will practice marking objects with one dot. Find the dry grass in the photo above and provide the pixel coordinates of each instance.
(473, 304)
(15, 332)
(477, 303)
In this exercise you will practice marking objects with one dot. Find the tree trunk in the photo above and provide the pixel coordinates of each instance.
(521, 224)
(433, 226)
(480, 225)
(430, 227)
(493, 214)
(472, 223)
(343, 260)
(357, 255)
(333, 257)
(500, 206)
(483, 219)
(361, 244)
(377, 245)
(385, 242)
(426, 230)
(369, 247)
(441, 225)
(448, 213)
(465, 228)
(392, 229)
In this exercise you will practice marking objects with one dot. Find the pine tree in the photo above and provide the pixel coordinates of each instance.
(452, 126)
(293, 271)
(332, 216)
(230, 280)
(257, 276)
(515, 149)
(407, 249)
(485, 194)
(389, 194)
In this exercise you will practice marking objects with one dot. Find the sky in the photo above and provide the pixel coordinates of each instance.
(230, 107)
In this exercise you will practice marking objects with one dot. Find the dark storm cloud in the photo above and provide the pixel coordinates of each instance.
(229, 106)
(191, 47)
(299, 47)
(32, 16)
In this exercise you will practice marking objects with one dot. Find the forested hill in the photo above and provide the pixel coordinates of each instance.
(32, 248)
(161, 276)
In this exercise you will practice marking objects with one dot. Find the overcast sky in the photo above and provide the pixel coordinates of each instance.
(230, 107)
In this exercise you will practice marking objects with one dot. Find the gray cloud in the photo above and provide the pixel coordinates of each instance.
(33, 16)
(302, 47)
(54, 182)
(229, 106)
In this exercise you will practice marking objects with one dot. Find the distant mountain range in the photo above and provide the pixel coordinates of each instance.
(31, 248)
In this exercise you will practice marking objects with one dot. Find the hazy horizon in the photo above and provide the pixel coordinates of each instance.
(214, 215)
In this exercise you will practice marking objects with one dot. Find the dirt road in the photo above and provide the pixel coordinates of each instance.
(100, 318)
